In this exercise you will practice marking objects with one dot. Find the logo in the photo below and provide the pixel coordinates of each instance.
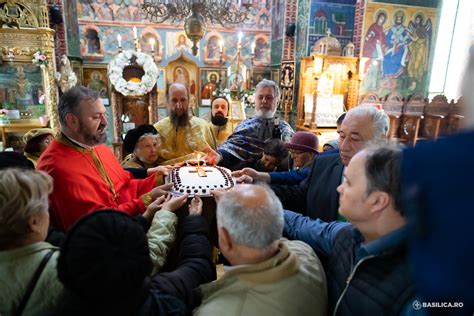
(417, 305)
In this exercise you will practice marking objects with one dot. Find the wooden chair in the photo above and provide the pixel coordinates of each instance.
(455, 116)
(371, 98)
(393, 106)
(435, 118)
(413, 112)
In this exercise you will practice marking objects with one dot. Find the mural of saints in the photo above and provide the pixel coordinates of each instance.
(374, 43)
(419, 48)
(397, 54)
(181, 75)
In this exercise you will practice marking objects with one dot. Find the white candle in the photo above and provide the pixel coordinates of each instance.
(240, 37)
(253, 47)
(119, 39)
(135, 32)
(152, 44)
(221, 46)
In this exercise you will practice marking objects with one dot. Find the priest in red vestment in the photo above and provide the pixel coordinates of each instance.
(86, 174)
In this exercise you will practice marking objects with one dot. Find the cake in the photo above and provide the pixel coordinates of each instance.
(188, 180)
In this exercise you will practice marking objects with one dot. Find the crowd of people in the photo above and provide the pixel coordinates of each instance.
(303, 232)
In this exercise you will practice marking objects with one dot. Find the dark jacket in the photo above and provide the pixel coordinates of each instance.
(292, 177)
(167, 293)
(438, 198)
(316, 196)
(363, 279)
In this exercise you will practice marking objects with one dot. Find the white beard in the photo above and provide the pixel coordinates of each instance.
(265, 114)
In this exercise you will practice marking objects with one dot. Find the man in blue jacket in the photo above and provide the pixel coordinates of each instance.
(367, 267)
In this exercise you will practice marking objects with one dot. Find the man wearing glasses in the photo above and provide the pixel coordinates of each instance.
(245, 145)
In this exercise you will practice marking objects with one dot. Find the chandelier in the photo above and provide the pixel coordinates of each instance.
(196, 14)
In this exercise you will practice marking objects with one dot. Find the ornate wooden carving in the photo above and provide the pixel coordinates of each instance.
(393, 106)
(31, 32)
(122, 104)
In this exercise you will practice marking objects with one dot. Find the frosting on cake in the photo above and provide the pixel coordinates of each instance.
(187, 180)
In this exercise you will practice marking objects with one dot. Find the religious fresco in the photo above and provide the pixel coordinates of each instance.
(262, 50)
(276, 52)
(130, 10)
(211, 80)
(397, 48)
(21, 88)
(278, 16)
(72, 29)
(212, 54)
(302, 29)
(418, 3)
(96, 79)
(335, 15)
(177, 42)
(99, 43)
(92, 43)
(150, 42)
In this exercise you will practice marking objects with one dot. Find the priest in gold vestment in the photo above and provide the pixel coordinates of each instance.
(221, 126)
(180, 134)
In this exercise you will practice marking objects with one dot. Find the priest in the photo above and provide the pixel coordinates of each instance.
(86, 174)
(181, 134)
(220, 125)
(245, 145)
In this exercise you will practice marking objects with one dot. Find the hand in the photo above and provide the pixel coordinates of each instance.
(195, 208)
(249, 175)
(244, 179)
(154, 207)
(161, 170)
(173, 203)
(161, 190)
(212, 157)
(217, 194)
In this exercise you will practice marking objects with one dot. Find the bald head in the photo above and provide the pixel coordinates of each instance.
(178, 104)
(252, 215)
(176, 87)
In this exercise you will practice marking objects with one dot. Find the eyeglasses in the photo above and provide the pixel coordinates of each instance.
(296, 152)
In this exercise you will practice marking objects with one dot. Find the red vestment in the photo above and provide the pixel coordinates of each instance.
(81, 186)
(374, 35)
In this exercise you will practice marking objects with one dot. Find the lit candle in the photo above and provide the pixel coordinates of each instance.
(240, 36)
(253, 48)
(221, 46)
(152, 44)
(119, 39)
(198, 159)
(135, 32)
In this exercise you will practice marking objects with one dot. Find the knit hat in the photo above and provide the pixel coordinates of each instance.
(134, 135)
(303, 141)
(105, 258)
(334, 143)
(37, 132)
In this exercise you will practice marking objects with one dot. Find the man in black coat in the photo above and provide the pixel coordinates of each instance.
(105, 266)
(316, 196)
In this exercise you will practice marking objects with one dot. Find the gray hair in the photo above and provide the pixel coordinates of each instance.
(23, 193)
(146, 135)
(71, 100)
(379, 119)
(382, 169)
(257, 226)
(270, 83)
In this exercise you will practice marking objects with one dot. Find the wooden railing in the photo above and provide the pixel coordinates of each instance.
(415, 118)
